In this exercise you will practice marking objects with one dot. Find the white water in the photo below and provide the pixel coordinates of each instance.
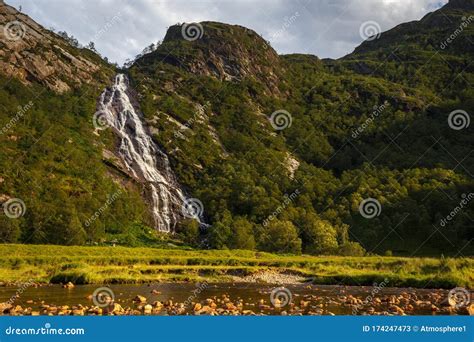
(142, 157)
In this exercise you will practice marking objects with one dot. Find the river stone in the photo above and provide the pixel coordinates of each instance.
(5, 307)
(139, 299)
(69, 285)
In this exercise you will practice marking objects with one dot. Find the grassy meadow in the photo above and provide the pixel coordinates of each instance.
(96, 265)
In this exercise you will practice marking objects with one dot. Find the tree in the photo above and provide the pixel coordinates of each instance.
(242, 234)
(220, 233)
(91, 46)
(9, 229)
(351, 249)
(321, 237)
(282, 237)
(69, 38)
(189, 231)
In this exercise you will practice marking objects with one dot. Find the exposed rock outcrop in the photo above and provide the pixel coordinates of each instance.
(31, 53)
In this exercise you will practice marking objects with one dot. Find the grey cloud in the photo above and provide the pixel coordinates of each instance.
(326, 28)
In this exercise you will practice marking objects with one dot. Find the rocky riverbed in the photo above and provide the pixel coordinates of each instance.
(228, 299)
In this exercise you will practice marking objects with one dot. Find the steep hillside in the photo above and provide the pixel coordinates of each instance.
(283, 152)
(434, 53)
(54, 186)
(350, 138)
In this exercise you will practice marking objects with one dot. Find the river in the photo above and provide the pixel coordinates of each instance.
(246, 298)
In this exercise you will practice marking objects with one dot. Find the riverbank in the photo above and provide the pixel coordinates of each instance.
(123, 265)
(227, 299)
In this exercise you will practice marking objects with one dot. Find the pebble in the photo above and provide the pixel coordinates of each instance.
(307, 304)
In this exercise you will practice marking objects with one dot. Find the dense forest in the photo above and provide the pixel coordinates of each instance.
(281, 150)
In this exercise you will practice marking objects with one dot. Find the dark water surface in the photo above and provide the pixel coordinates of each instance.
(324, 299)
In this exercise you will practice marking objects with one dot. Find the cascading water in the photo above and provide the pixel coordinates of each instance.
(141, 156)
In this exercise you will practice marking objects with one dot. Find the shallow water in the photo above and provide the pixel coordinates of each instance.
(324, 299)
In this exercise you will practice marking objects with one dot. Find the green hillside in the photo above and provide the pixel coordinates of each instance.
(373, 124)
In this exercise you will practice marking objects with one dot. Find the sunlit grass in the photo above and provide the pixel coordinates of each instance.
(82, 265)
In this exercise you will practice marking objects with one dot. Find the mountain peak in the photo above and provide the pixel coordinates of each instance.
(223, 51)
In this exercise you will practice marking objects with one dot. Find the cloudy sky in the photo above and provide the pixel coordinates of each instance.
(326, 28)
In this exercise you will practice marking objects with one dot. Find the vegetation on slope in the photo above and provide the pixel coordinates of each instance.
(227, 154)
(366, 126)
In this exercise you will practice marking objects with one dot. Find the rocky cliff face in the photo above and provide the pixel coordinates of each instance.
(225, 52)
(33, 54)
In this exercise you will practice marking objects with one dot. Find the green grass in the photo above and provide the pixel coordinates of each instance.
(94, 265)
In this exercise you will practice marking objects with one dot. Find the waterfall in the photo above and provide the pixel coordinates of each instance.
(141, 155)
